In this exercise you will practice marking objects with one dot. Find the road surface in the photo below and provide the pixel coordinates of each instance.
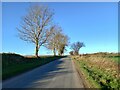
(57, 74)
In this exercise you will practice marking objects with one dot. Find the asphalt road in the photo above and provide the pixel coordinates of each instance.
(57, 74)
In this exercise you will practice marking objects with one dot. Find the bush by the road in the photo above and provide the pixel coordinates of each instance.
(14, 64)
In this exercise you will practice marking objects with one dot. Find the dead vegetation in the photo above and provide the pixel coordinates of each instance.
(101, 67)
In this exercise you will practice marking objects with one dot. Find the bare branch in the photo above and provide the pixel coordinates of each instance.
(35, 26)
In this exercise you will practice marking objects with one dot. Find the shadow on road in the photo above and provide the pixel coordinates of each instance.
(38, 77)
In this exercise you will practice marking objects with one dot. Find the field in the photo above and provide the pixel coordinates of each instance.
(99, 71)
(14, 64)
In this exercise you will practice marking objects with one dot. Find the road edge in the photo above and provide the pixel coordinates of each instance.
(81, 76)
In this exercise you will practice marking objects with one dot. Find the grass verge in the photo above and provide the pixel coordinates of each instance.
(14, 64)
(99, 72)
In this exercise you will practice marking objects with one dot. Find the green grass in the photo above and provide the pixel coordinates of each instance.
(97, 76)
(116, 59)
(14, 64)
(91, 83)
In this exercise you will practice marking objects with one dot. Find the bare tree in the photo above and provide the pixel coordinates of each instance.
(36, 26)
(62, 43)
(52, 41)
(71, 52)
(76, 47)
(58, 41)
(61, 49)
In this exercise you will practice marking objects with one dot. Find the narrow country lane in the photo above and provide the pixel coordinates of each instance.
(57, 74)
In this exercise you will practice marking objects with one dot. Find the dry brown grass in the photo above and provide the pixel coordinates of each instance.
(103, 63)
(101, 69)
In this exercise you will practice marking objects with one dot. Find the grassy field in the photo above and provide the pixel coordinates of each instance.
(99, 71)
(14, 64)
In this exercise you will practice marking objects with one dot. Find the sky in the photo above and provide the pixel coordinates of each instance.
(60, 0)
(94, 23)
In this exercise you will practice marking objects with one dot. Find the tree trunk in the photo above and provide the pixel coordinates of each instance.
(54, 52)
(37, 49)
(59, 53)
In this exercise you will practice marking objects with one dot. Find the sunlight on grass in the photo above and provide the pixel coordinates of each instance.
(100, 70)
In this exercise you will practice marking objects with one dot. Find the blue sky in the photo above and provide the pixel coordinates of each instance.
(95, 24)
